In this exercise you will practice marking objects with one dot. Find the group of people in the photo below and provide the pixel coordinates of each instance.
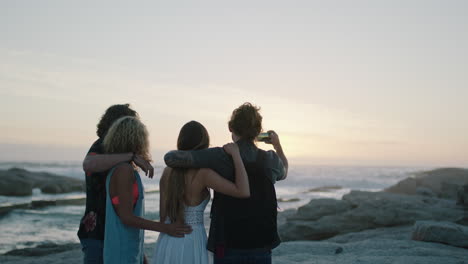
(243, 226)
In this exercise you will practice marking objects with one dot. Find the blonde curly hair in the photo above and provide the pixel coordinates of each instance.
(127, 134)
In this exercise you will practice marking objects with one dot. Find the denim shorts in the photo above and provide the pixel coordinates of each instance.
(93, 251)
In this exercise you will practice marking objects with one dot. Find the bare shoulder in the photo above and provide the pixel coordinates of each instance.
(123, 168)
(205, 172)
(123, 173)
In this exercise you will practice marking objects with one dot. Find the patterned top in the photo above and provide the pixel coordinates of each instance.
(93, 221)
(194, 214)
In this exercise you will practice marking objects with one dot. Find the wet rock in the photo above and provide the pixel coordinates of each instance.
(20, 182)
(444, 183)
(42, 250)
(462, 195)
(441, 232)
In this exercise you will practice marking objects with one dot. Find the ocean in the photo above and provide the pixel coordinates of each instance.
(22, 228)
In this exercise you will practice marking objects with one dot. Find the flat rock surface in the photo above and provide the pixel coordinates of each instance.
(384, 245)
(373, 251)
(360, 210)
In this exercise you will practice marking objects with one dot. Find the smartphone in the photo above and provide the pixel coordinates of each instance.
(263, 137)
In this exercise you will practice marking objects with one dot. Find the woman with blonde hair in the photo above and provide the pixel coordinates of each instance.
(124, 235)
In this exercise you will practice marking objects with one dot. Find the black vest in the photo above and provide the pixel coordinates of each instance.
(250, 223)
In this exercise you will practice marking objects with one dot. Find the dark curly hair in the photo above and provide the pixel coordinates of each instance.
(246, 121)
(113, 113)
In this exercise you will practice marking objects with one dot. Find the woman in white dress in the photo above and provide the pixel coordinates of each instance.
(184, 195)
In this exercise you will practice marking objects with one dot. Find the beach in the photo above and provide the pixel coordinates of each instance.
(327, 215)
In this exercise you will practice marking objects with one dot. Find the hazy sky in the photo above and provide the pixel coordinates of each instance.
(342, 82)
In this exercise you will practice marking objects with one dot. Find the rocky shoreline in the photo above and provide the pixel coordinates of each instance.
(403, 224)
(421, 219)
(20, 182)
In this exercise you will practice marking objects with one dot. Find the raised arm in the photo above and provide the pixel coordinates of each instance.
(121, 186)
(240, 188)
(274, 140)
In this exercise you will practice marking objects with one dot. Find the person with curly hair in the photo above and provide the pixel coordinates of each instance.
(242, 230)
(96, 166)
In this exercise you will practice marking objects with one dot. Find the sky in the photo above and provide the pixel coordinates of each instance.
(342, 82)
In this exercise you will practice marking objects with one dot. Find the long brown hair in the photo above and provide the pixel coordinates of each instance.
(192, 136)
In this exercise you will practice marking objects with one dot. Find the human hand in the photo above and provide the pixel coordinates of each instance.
(231, 149)
(144, 165)
(273, 139)
(178, 230)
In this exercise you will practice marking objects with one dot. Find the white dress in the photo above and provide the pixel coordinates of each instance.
(189, 249)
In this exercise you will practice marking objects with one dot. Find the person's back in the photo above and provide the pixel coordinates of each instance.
(251, 223)
(191, 248)
(225, 239)
(184, 196)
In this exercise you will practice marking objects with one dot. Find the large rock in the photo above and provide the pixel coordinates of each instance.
(318, 208)
(444, 183)
(365, 210)
(441, 232)
(14, 186)
(20, 182)
(462, 195)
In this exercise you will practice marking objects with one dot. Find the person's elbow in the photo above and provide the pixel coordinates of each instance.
(127, 220)
(244, 194)
(284, 175)
(169, 159)
(89, 165)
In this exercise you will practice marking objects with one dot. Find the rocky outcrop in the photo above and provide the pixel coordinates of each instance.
(358, 210)
(42, 250)
(20, 182)
(441, 232)
(325, 188)
(368, 251)
(462, 195)
(318, 208)
(443, 183)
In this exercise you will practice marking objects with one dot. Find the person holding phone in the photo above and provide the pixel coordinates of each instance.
(242, 230)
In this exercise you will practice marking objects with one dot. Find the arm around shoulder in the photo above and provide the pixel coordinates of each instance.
(240, 188)
(103, 162)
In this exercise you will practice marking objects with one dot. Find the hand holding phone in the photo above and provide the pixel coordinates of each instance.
(263, 137)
